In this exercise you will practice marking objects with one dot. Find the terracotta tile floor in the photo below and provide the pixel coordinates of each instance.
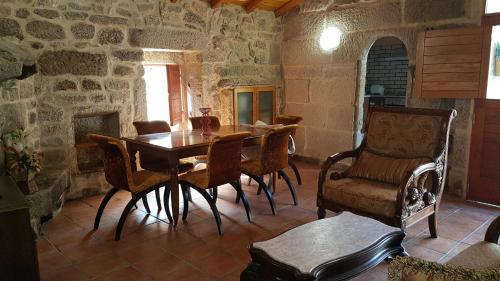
(151, 250)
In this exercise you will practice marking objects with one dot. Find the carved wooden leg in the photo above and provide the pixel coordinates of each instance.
(125, 212)
(290, 186)
(166, 203)
(295, 171)
(241, 194)
(432, 219)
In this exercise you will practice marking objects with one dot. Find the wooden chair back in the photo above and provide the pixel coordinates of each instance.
(274, 149)
(196, 122)
(288, 120)
(117, 169)
(151, 127)
(224, 159)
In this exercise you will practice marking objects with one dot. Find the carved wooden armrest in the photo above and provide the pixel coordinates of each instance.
(412, 197)
(493, 231)
(331, 160)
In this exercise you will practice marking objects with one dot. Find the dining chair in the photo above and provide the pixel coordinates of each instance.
(196, 125)
(273, 158)
(223, 167)
(118, 173)
(152, 163)
(196, 122)
(290, 120)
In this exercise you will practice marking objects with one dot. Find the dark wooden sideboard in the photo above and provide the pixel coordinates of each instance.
(18, 254)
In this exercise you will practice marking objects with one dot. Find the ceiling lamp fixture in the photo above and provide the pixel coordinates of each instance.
(330, 38)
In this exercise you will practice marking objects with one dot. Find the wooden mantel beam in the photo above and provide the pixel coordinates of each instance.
(288, 6)
(216, 3)
(252, 4)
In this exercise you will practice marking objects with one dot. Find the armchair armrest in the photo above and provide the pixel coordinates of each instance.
(418, 198)
(332, 159)
(493, 231)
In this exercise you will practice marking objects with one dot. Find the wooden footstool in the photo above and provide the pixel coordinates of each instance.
(336, 248)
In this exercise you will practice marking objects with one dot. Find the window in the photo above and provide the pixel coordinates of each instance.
(492, 6)
(493, 90)
(157, 92)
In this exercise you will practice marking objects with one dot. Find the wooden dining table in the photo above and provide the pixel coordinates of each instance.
(173, 146)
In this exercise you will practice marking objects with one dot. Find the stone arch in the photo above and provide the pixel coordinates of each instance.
(383, 45)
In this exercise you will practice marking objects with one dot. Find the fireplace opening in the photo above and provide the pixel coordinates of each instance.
(88, 157)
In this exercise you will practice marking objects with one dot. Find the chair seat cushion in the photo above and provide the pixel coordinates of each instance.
(480, 255)
(145, 179)
(367, 196)
(384, 168)
(198, 178)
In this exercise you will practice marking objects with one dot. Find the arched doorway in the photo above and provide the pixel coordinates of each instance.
(384, 78)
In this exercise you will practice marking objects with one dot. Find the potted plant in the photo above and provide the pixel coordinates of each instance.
(497, 59)
(22, 161)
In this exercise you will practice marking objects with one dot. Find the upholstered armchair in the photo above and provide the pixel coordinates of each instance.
(398, 172)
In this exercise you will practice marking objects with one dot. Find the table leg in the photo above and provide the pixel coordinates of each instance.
(174, 187)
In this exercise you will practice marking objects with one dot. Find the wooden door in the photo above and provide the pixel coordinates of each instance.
(484, 166)
(174, 94)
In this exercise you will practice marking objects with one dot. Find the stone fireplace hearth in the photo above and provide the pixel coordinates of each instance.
(88, 155)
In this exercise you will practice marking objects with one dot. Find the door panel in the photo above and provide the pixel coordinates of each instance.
(174, 94)
(484, 166)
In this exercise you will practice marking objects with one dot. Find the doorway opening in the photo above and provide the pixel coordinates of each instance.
(384, 78)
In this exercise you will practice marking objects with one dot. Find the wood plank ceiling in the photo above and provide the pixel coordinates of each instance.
(280, 7)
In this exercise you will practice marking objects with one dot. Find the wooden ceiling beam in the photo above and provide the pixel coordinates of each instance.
(252, 5)
(288, 6)
(216, 3)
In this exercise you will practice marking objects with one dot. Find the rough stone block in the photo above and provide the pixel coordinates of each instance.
(128, 55)
(383, 14)
(111, 36)
(341, 118)
(22, 13)
(321, 143)
(9, 70)
(9, 27)
(72, 62)
(83, 31)
(167, 39)
(45, 30)
(65, 85)
(123, 71)
(301, 71)
(71, 15)
(46, 13)
(297, 91)
(304, 25)
(106, 20)
(47, 113)
(337, 91)
(431, 10)
(192, 19)
(13, 117)
(91, 85)
(304, 52)
(314, 115)
(115, 84)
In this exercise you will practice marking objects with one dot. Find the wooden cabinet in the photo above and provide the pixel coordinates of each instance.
(18, 258)
(451, 64)
(254, 103)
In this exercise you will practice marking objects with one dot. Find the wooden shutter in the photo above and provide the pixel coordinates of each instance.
(174, 94)
(449, 63)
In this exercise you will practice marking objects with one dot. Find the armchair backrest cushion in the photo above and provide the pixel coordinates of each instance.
(384, 169)
(406, 133)
(398, 140)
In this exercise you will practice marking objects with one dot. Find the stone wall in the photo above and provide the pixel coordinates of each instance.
(327, 88)
(89, 57)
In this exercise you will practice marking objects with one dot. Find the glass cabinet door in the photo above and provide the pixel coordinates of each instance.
(244, 102)
(266, 106)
